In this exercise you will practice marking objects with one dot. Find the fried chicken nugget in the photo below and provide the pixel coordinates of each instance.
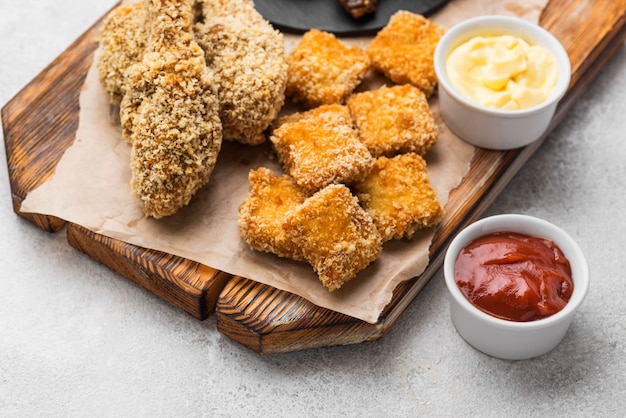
(323, 70)
(262, 213)
(398, 196)
(247, 56)
(404, 50)
(320, 146)
(393, 120)
(337, 237)
(123, 41)
(169, 112)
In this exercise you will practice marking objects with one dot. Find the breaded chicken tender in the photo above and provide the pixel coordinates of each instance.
(398, 196)
(336, 236)
(169, 112)
(393, 120)
(320, 147)
(262, 213)
(245, 53)
(323, 70)
(404, 50)
(248, 58)
(123, 41)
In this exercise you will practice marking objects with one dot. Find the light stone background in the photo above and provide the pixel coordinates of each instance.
(76, 339)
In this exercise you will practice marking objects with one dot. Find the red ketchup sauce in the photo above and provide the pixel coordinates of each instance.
(514, 277)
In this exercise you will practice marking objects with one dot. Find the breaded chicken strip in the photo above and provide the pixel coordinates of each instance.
(262, 213)
(337, 237)
(404, 50)
(123, 41)
(245, 53)
(248, 58)
(169, 112)
(399, 197)
(321, 147)
(394, 120)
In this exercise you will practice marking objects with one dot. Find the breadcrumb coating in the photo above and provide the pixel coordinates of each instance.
(123, 41)
(262, 213)
(393, 120)
(169, 112)
(323, 70)
(245, 53)
(248, 58)
(404, 50)
(398, 196)
(320, 147)
(336, 236)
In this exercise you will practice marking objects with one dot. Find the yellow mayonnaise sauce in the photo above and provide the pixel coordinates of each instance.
(502, 72)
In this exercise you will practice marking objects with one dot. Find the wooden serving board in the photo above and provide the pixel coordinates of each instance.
(40, 123)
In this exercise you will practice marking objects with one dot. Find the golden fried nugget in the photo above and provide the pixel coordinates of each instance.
(320, 146)
(393, 120)
(323, 70)
(170, 112)
(247, 56)
(403, 50)
(262, 213)
(123, 41)
(399, 197)
(336, 236)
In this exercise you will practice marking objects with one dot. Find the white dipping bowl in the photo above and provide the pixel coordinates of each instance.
(492, 128)
(509, 339)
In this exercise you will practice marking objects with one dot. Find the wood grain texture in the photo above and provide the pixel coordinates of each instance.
(276, 321)
(190, 286)
(40, 123)
(603, 26)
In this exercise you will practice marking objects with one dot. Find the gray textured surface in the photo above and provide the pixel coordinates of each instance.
(76, 339)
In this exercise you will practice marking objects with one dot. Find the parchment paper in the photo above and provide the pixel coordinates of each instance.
(90, 187)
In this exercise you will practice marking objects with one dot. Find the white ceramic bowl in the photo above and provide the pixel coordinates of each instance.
(508, 339)
(495, 128)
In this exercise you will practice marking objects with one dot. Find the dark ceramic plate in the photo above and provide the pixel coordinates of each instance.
(298, 16)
